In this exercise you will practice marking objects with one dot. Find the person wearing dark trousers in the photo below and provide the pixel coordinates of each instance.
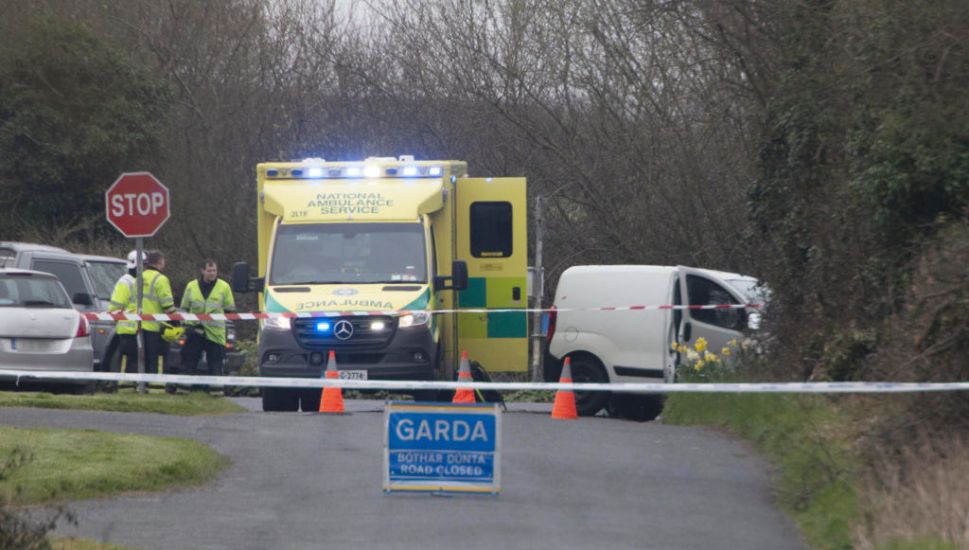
(156, 298)
(206, 294)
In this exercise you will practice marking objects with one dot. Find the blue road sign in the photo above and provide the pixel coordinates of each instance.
(442, 447)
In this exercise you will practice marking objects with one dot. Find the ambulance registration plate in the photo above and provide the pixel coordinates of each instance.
(353, 375)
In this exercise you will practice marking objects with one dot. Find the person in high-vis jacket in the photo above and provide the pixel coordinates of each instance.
(206, 294)
(124, 297)
(156, 298)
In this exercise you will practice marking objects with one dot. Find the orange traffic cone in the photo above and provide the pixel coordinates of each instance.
(332, 399)
(564, 407)
(464, 395)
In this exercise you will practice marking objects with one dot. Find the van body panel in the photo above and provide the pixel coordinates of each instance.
(633, 339)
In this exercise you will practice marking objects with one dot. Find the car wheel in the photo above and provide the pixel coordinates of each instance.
(280, 400)
(309, 399)
(589, 370)
(637, 407)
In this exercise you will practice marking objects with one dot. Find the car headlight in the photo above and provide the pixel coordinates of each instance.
(414, 319)
(277, 323)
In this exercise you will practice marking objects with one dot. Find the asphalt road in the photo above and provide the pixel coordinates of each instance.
(309, 481)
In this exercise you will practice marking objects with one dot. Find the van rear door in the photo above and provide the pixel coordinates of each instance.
(492, 238)
(716, 326)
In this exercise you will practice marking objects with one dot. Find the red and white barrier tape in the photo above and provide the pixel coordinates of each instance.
(123, 316)
(405, 385)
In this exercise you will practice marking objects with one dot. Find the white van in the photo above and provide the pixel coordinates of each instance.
(635, 346)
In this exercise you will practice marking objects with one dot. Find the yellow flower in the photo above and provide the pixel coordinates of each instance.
(701, 344)
(732, 343)
(674, 346)
(699, 365)
(709, 357)
(725, 352)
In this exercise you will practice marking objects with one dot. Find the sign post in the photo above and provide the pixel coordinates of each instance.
(137, 205)
(442, 448)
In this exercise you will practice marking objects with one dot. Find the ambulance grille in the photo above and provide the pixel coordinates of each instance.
(363, 335)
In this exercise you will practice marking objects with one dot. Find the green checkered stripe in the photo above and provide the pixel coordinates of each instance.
(492, 292)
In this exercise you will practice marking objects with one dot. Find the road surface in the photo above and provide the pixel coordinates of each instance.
(310, 481)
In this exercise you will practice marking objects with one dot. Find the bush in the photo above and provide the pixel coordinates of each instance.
(17, 528)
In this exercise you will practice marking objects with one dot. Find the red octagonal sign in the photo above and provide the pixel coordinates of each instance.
(137, 204)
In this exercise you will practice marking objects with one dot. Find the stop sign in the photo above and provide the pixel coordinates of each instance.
(137, 204)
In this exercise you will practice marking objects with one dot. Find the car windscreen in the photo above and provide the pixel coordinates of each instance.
(25, 290)
(349, 253)
(105, 275)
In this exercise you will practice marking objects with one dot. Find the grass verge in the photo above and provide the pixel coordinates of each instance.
(806, 440)
(80, 464)
(190, 404)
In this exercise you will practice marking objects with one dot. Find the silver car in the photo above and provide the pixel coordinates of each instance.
(39, 327)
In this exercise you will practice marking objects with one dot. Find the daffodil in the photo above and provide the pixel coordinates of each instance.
(701, 344)
(732, 343)
(725, 351)
(709, 357)
(692, 356)
(698, 365)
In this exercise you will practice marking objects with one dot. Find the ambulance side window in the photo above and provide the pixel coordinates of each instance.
(491, 229)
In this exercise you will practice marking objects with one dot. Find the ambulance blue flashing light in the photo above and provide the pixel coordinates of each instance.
(409, 171)
(315, 172)
(434, 171)
(353, 172)
(323, 326)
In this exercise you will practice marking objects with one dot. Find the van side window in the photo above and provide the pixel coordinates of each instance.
(491, 228)
(67, 273)
(704, 292)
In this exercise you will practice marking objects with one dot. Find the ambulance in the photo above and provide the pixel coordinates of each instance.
(389, 247)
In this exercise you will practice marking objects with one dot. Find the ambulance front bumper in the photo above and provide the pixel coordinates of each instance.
(409, 355)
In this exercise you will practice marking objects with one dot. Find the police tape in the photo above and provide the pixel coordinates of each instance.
(127, 316)
(408, 385)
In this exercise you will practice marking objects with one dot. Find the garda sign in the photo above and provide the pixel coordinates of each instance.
(442, 448)
(137, 204)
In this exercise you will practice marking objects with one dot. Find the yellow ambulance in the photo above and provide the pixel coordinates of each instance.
(387, 246)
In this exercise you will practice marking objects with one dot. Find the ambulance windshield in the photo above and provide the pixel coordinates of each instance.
(349, 253)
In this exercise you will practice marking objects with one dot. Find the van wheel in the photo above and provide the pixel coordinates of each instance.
(589, 370)
(636, 407)
(280, 399)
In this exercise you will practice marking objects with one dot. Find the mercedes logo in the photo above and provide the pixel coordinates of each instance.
(343, 330)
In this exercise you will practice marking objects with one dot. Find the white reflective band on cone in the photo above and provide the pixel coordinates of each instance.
(258, 381)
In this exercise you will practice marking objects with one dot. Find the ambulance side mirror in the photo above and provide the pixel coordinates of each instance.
(458, 279)
(241, 282)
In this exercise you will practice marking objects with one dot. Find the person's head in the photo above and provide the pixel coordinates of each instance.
(133, 259)
(155, 259)
(208, 270)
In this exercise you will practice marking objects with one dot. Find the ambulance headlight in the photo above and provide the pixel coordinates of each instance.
(414, 319)
(276, 323)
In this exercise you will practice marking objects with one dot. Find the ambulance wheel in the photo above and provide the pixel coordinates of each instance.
(280, 399)
(636, 407)
(309, 399)
(588, 369)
